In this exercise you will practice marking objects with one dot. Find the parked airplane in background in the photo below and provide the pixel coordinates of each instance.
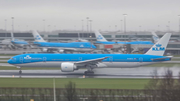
(102, 40)
(155, 37)
(14, 43)
(81, 40)
(71, 62)
(62, 47)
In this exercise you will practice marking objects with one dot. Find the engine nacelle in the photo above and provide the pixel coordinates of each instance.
(60, 51)
(44, 49)
(68, 67)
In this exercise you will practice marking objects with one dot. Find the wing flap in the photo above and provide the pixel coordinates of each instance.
(90, 62)
(168, 57)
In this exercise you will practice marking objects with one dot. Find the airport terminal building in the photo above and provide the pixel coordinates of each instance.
(69, 36)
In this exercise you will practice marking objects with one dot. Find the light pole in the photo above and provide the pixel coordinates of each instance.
(55, 27)
(139, 28)
(49, 28)
(169, 25)
(5, 27)
(115, 27)
(158, 28)
(44, 24)
(90, 41)
(125, 23)
(74, 27)
(82, 25)
(12, 24)
(109, 28)
(90, 21)
(27, 27)
(121, 25)
(179, 23)
(87, 23)
(12, 28)
(5, 24)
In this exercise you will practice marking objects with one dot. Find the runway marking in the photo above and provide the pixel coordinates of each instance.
(19, 76)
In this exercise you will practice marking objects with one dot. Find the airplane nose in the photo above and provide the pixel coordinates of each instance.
(9, 61)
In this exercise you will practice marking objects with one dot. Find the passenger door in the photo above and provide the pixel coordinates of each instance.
(140, 59)
(44, 59)
(80, 58)
(21, 59)
(111, 59)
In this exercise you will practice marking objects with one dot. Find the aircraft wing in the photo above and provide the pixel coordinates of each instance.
(69, 49)
(62, 48)
(90, 62)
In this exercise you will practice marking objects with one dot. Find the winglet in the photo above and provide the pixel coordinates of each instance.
(160, 47)
(37, 37)
(99, 37)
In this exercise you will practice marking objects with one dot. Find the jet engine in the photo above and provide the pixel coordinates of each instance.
(68, 67)
(60, 51)
(44, 49)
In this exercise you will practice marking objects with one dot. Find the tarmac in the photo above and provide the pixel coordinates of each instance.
(140, 72)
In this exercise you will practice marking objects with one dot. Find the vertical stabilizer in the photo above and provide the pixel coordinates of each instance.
(99, 37)
(155, 37)
(12, 36)
(160, 47)
(37, 37)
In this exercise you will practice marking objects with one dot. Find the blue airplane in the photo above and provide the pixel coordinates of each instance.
(102, 40)
(71, 62)
(20, 43)
(15, 43)
(62, 47)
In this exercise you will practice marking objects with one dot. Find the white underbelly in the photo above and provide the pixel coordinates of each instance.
(126, 64)
(104, 64)
(40, 64)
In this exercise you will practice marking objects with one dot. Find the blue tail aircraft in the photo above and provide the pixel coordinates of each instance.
(62, 47)
(15, 43)
(102, 40)
(71, 62)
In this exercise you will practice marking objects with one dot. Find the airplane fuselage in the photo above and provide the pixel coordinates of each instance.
(132, 43)
(67, 45)
(113, 60)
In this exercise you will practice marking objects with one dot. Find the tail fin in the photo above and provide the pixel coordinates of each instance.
(160, 47)
(12, 36)
(37, 37)
(99, 37)
(155, 37)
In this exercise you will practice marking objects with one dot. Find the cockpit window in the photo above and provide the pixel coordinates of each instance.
(11, 58)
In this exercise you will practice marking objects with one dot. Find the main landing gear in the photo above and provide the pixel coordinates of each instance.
(89, 71)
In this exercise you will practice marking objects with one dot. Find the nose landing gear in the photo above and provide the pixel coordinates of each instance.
(20, 72)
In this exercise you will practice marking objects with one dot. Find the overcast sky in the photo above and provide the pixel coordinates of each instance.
(105, 14)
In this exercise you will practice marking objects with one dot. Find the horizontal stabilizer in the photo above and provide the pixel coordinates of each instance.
(160, 58)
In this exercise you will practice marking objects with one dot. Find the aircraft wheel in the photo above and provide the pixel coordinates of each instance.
(88, 72)
(20, 72)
